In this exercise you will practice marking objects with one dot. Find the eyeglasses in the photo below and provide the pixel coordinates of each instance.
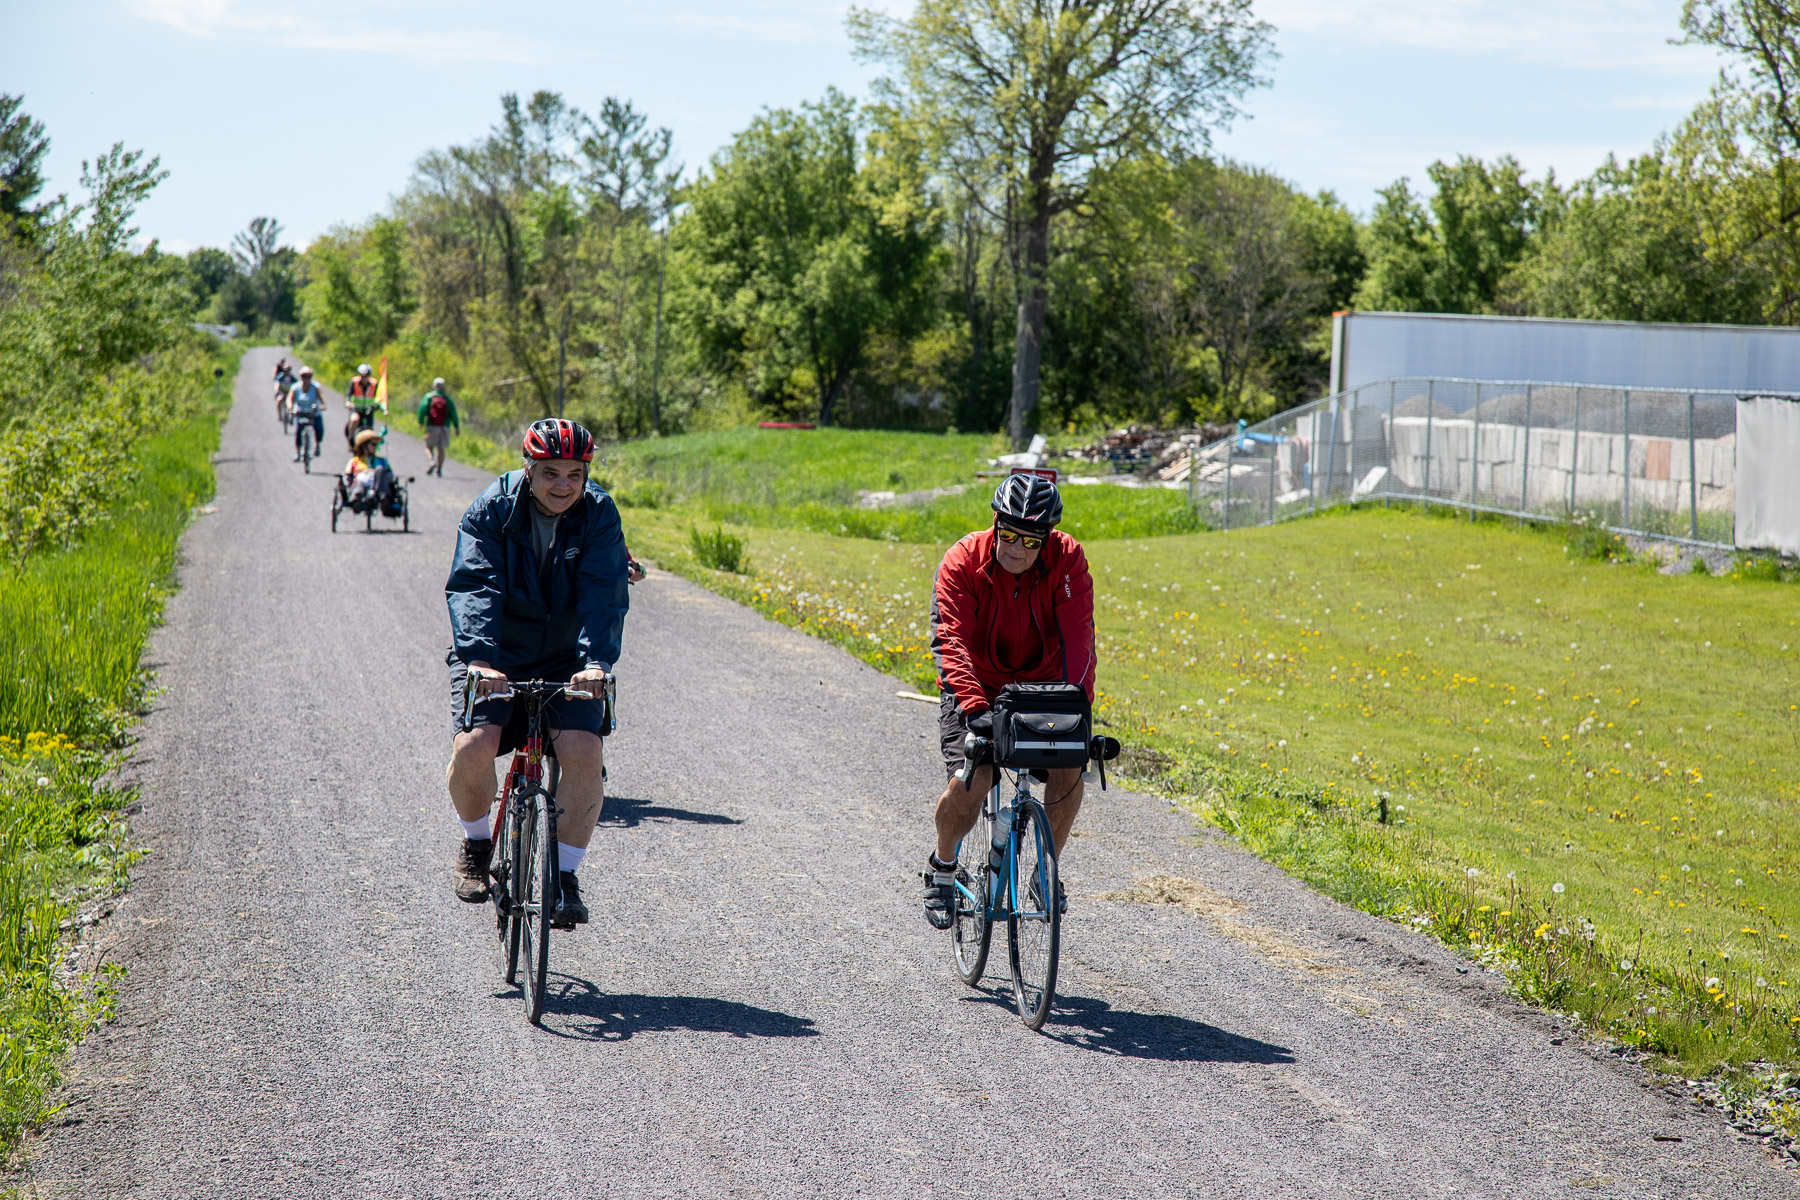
(1009, 536)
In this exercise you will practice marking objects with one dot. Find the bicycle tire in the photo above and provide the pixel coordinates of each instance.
(505, 875)
(368, 520)
(537, 858)
(1034, 935)
(405, 514)
(971, 933)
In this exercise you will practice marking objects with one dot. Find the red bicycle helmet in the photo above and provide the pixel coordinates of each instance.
(554, 437)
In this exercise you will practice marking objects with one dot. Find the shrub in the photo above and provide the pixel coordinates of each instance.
(1586, 537)
(719, 550)
(1763, 568)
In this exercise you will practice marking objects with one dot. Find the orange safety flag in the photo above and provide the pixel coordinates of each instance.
(381, 386)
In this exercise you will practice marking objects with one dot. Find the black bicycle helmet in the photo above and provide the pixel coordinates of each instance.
(1028, 502)
(555, 437)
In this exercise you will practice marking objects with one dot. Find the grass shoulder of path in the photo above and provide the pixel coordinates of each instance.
(73, 624)
(1576, 770)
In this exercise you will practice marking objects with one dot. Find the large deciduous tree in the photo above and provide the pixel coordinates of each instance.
(796, 251)
(1747, 136)
(1023, 100)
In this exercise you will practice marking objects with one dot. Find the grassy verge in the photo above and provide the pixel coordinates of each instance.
(1574, 769)
(72, 629)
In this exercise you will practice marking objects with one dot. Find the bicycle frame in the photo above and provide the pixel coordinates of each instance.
(1002, 899)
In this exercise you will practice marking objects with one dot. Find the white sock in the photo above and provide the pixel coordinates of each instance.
(476, 831)
(568, 858)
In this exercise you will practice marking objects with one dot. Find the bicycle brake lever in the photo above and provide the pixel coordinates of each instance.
(973, 748)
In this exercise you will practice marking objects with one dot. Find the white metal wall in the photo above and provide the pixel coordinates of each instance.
(1371, 346)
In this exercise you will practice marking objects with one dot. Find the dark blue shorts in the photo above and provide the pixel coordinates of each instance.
(560, 714)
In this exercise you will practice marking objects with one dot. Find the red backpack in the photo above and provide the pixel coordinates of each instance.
(438, 411)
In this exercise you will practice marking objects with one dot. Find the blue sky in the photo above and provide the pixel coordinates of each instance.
(313, 111)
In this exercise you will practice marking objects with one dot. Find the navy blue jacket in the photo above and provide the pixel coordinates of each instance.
(498, 612)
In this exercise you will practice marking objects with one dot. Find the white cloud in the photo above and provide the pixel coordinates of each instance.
(1568, 33)
(286, 25)
(759, 29)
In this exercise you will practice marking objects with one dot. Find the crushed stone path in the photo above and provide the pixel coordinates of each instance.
(759, 1008)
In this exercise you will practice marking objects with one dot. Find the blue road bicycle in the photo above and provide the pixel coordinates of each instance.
(1006, 872)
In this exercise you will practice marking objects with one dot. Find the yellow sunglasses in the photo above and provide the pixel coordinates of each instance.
(1009, 536)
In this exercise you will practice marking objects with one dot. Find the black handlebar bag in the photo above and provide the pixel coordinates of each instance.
(1042, 725)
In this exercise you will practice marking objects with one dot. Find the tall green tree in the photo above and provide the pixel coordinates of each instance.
(1634, 245)
(1022, 100)
(796, 251)
(23, 146)
(1453, 259)
(1746, 136)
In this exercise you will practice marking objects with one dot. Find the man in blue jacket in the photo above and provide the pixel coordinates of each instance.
(537, 591)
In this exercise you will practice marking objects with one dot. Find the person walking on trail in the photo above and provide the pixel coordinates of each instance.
(308, 404)
(437, 415)
(537, 590)
(1013, 603)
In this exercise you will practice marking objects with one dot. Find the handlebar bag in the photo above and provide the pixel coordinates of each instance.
(1042, 725)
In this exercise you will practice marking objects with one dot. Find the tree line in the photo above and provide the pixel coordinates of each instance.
(1022, 226)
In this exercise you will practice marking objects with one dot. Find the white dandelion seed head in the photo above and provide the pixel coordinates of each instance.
(1557, 888)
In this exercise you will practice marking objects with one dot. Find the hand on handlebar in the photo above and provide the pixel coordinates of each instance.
(590, 683)
(489, 682)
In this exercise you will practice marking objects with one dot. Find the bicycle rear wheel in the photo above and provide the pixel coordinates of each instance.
(537, 857)
(970, 930)
(1034, 929)
(505, 878)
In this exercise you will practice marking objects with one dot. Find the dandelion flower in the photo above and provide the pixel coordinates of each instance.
(1471, 872)
(1624, 964)
(43, 781)
(1557, 888)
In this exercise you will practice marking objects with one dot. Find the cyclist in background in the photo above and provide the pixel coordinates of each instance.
(537, 591)
(437, 414)
(308, 405)
(358, 393)
(284, 381)
(1012, 604)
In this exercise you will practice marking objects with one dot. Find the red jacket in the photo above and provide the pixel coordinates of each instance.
(990, 628)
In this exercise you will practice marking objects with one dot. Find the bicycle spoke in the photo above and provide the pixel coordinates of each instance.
(1034, 930)
(970, 931)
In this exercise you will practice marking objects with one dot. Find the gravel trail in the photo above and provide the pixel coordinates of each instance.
(759, 1008)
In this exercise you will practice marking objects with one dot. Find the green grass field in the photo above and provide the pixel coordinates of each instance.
(1582, 772)
(73, 625)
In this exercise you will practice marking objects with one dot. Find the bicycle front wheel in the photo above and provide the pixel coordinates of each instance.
(1034, 929)
(537, 855)
(971, 932)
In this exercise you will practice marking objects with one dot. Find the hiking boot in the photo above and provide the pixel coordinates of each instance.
(471, 870)
(940, 893)
(570, 911)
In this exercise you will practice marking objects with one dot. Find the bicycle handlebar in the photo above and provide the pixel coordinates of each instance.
(542, 688)
(1101, 750)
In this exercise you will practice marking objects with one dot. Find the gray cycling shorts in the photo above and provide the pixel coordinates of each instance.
(560, 714)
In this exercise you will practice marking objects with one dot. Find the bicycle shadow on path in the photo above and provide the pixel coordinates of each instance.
(576, 1009)
(1091, 1024)
(625, 812)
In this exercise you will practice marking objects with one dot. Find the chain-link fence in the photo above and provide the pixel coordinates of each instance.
(1638, 460)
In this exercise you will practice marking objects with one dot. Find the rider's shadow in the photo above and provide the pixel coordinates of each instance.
(575, 1008)
(624, 812)
(1094, 1024)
